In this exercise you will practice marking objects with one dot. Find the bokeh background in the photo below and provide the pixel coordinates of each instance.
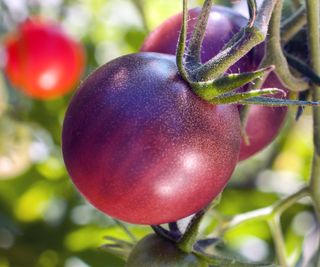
(44, 222)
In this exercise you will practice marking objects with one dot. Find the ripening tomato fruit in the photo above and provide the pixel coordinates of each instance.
(156, 251)
(142, 147)
(263, 122)
(42, 60)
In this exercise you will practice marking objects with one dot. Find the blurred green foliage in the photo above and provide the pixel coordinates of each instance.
(44, 222)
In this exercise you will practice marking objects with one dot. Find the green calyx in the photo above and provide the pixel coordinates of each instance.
(156, 251)
(208, 80)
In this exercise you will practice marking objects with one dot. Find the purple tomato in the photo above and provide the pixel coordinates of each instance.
(142, 147)
(263, 122)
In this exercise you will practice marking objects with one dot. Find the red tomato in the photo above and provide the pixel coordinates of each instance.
(142, 147)
(42, 61)
(263, 122)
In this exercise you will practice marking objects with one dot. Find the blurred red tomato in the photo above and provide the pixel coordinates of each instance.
(42, 60)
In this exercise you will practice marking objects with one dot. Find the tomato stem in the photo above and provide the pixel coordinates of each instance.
(276, 231)
(292, 25)
(194, 49)
(313, 17)
(189, 237)
(264, 213)
(182, 43)
(274, 53)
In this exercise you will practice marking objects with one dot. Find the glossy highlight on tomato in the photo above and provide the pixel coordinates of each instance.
(263, 123)
(142, 147)
(156, 251)
(42, 60)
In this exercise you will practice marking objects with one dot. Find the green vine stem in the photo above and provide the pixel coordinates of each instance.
(292, 25)
(274, 54)
(193, 57)
(189, 237)
(272, 215)
(182, 43)
(276, 232)
(266, 213)
(313, 17)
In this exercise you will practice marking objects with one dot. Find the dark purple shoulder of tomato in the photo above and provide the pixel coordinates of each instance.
(223, 23)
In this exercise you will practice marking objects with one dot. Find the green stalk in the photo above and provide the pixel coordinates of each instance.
(193, 57)
(286, 203)
(313, 17)
(276, 231)
(275, 56)
(266, 213)
(293, 24)
(189, 237)
(182, 43)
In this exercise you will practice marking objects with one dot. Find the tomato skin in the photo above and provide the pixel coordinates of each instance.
(42, 61)
(263, 123)
(155, 251)
(142, 147)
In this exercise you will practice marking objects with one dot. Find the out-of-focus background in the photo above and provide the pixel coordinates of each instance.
(44, 222)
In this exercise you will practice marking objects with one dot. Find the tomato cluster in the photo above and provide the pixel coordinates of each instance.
(42, 61)
(142, 147)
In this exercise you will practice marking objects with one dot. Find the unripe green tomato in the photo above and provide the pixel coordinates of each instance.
(155, 251)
